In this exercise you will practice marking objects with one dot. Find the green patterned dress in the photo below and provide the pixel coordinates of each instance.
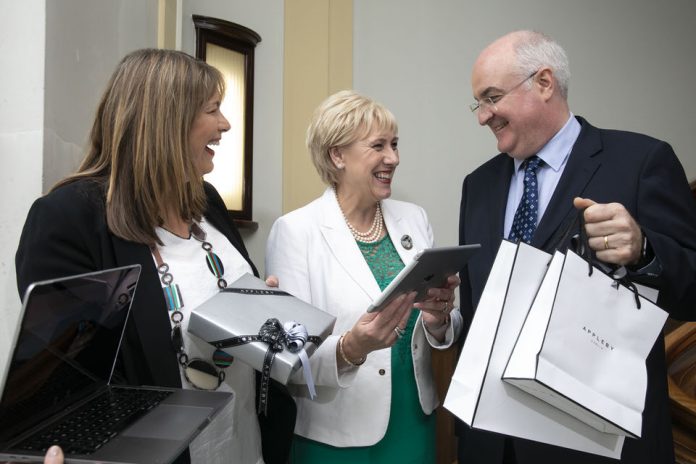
(410, 436)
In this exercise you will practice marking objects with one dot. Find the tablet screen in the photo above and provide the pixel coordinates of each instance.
(429, 269)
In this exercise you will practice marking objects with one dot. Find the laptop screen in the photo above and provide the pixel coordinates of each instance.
(68, 339)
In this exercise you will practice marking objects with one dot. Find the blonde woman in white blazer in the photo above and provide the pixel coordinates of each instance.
(375, 390)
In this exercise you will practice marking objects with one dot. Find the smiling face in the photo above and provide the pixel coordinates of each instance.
(525, 115)
(367, 166)
(206, 131)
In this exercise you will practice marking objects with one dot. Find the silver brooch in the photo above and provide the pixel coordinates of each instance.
(406, 242)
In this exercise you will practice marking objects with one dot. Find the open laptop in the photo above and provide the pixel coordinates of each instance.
(57, 387)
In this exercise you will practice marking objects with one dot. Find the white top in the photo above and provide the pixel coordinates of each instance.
(234, 435)
(315, 258)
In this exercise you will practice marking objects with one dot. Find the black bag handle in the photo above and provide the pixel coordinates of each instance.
(576, 238)
(580, 244)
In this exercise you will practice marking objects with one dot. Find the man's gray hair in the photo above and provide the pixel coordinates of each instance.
(535, 50)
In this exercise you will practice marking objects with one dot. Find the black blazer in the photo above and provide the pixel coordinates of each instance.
(66, 233)
(645, 176)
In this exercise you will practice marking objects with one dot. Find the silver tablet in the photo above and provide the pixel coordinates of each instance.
(429, 269)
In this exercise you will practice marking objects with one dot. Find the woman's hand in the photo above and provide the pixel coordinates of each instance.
(54, 455)
(377, 330)
(436, 308)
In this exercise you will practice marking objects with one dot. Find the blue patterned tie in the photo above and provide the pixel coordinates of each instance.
(525, 221)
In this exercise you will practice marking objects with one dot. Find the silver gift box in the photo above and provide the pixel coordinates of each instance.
(231, 313)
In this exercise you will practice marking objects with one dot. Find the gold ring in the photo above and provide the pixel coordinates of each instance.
(444, 306)
(398, 331)
(606, 242)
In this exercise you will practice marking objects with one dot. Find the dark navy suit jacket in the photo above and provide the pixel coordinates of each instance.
(644, 175)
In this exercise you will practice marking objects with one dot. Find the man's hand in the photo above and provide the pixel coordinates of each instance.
(612, 232)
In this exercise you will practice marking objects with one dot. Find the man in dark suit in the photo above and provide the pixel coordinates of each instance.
(639, 214)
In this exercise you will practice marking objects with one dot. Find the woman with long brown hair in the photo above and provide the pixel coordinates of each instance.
(139, 197)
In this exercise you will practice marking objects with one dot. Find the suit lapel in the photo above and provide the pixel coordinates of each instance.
(498, 196)
(149, 312)
(217, 215)
(342, 245)
(398, 228)
(583, 163)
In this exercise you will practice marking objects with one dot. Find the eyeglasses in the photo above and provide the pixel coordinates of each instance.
(489, 102)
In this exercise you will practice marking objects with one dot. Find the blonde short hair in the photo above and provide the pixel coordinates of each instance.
(340, 120)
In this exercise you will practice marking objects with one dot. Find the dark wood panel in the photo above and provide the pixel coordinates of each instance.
(680, 351)
(443, 369)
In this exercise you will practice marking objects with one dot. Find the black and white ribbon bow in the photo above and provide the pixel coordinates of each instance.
(292, 335)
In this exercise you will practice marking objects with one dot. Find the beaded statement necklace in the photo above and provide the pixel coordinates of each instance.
(374, 233)
(199, 373)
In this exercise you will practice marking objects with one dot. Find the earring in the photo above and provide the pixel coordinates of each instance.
(339, 166)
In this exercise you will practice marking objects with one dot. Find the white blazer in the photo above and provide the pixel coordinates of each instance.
(315, 257)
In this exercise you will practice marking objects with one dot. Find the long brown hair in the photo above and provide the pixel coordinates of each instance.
(139, 144)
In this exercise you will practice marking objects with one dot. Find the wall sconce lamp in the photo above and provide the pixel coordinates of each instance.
(230, 48)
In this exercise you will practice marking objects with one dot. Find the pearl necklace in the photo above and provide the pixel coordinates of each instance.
(374, 233)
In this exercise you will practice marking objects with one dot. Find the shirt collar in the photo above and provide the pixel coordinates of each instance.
(556, 151)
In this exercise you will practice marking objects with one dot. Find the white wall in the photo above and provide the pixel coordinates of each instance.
(85, 40)
(265, 17)
(631, 62)
(56, 58)
(21, 135)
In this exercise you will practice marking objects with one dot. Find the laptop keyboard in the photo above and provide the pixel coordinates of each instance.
(95, 423)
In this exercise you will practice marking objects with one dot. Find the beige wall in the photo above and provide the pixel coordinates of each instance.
(167, 24)
(318, 61)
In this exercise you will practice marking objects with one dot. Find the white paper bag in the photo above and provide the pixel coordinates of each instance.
(478, 395)
(583, 347)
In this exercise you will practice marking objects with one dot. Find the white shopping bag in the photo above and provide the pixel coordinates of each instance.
(583, 347)
(478, 395)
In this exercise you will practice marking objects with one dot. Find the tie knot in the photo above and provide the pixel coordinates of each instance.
(532, 163)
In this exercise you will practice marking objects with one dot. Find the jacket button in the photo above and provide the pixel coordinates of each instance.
(382, 372)
(415, 347)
